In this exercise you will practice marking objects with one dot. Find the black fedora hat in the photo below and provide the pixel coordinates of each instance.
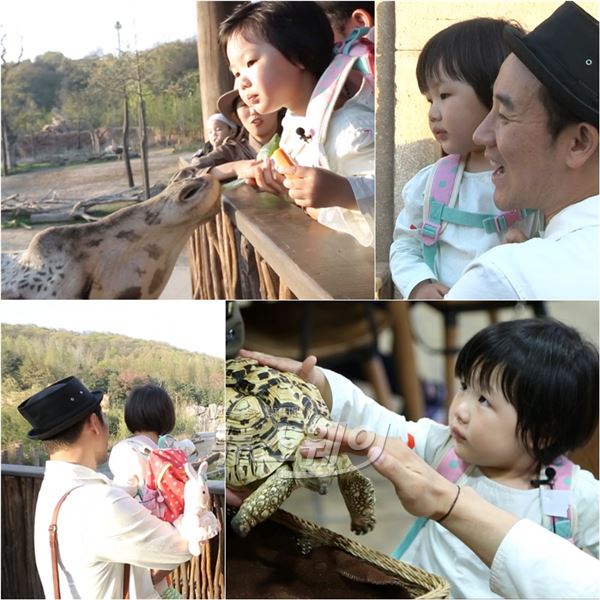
(57, 407)
(562, 52)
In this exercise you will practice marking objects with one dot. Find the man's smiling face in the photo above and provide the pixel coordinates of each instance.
(525, 159)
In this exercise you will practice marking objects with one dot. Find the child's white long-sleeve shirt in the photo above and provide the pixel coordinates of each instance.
(435, 549)
(349, 152)
(128, 462)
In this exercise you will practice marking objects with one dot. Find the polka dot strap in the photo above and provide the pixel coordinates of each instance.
(452, 467)
(443, 181)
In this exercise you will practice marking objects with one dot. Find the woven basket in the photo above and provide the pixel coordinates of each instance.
(419, 583)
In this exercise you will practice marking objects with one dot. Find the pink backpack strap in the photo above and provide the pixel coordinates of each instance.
(452, 467)
(355, 52)
(443, 182)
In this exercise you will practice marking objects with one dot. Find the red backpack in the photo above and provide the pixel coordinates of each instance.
(167, 475)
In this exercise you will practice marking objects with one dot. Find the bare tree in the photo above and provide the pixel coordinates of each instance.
(9, 151)
(126, 158)
(142, 126)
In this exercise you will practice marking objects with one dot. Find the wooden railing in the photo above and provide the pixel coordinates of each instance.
(263, 247)
(201, 577)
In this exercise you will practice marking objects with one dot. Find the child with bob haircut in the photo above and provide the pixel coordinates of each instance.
(278, 52)
(151, 465)
(448, 216)
(149, 414)
(183, 496)
(528, 395)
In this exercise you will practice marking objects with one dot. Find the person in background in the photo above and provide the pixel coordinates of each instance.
(345, 17)
(219, 128)
(238, 156)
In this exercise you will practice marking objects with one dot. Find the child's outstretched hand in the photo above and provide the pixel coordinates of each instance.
(429, 290)
(312, 187)
(262, 174)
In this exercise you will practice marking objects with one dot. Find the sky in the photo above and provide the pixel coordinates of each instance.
(77, 28)
(198, 326)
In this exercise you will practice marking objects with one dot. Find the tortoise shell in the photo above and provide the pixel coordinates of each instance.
(268, 415)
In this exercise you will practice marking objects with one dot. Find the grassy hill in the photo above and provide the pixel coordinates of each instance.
(33, 357)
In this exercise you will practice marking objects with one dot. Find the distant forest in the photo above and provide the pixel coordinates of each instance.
(33, 357)
(89, 92)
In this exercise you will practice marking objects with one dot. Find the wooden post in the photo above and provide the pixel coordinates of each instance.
(215, 77)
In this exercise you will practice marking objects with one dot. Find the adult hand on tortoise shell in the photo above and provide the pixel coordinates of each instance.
(306, 370)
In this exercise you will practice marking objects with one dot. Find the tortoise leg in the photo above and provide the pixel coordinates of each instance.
(264, 500)
(359, 495)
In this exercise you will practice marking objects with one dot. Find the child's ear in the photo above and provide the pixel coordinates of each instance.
(362, 18)
(582, 145)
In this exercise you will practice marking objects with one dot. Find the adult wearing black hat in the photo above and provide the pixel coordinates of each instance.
(106, 543)
(541, 138)
(236, 157)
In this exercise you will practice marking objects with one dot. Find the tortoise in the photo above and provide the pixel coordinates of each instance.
(269, 414)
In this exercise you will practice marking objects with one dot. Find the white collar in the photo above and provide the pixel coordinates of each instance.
(62, 468)
(585, 213)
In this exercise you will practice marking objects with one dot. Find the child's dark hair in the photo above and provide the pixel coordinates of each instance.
(470, 51)
(149, 408)
(299, 30)
(339, 12)
(547, 372)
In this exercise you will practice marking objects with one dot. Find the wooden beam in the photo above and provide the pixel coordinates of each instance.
(215, 77)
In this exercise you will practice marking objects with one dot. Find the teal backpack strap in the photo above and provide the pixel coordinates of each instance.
(500, 223)
(439, 200)
(557, 507)
(409, 538)
(452, 468)
(441, 191)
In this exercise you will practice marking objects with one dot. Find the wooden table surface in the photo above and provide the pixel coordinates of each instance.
(314, 261)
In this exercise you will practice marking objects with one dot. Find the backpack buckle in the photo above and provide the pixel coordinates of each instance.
(503, 221)
(430, 232)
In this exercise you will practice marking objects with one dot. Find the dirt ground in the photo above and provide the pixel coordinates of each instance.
(79, 182)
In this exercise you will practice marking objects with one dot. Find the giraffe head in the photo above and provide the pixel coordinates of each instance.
(190, 201)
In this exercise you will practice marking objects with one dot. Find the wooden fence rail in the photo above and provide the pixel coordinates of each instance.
(201, 577)
(263, 247)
